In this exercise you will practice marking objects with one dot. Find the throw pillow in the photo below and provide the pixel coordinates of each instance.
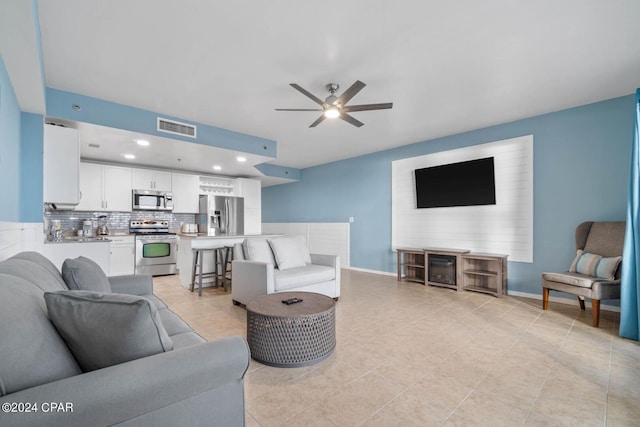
(595, 265)
(258, 250)
(84, 274)
(104, 329)
(290, 252)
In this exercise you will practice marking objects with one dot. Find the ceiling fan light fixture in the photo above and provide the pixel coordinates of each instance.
(332, 113)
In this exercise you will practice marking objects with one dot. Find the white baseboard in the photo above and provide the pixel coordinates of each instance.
(561, 300)
(366, 270)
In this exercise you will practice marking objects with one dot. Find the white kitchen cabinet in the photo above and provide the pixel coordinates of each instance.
(61, 163)
(185, 192)
(252, 221)
(122, 255)
(104, 188)
(96, 251)
(148, 179)
(117, 188)
(251, 191)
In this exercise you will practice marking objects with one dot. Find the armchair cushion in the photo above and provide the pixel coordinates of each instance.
(573, 279)
(290, 252)
(84, 274)
(103, 329)
(595, 265)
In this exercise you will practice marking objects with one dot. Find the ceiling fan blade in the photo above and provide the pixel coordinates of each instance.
(307, 93)
(318, 121)
(351, 92)
(350, 119)
(298, 109)
(365, 107)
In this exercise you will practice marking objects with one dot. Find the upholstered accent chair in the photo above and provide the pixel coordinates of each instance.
(595, 272)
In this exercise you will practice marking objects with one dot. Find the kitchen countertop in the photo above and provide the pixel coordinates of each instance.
(78, 239)
(223, 236)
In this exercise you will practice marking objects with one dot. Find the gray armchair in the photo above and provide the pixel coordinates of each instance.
(598, 238)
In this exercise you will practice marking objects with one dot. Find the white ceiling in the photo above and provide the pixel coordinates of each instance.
(448, 67)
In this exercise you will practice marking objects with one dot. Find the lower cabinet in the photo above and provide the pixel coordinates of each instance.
(122, 255)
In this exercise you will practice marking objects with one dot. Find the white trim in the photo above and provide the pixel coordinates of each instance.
(17, 237)
(366, 270)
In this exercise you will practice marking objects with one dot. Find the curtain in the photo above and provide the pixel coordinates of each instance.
(630, 288)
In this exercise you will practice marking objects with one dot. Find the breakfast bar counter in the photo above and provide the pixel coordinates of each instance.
(189, 241)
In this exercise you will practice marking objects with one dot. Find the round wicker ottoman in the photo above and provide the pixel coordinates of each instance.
(292, 335)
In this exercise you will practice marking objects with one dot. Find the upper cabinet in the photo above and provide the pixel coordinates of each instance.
(185, 192)
(104, 188)
(147, 179)
(61, 163)
(251, 191)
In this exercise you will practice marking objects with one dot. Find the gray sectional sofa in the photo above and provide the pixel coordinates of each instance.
(90, 358)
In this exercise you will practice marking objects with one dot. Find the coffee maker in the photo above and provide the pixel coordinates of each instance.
(102, 229)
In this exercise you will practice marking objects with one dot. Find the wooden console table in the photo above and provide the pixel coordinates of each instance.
(478, 272)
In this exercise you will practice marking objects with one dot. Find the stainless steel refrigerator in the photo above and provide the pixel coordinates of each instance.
(221, 215)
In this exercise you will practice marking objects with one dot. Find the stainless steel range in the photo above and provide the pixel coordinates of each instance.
(156, 247)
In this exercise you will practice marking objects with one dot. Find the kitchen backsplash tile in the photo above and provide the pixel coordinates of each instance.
(72, 220)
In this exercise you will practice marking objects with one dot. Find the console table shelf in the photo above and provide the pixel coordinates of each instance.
(485, 273)
(411, 262)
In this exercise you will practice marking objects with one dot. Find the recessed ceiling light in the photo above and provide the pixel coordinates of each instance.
(241, 159)
(129, 156)
(217, 167)
(142, 142)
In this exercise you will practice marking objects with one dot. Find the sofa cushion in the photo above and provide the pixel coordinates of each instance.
(290, 252)
(31, 351)
(84, 274)
(173, 323)
(258, 250)
(302, 276)
(44, 262)
(37, 275)
(103, 329)
(595, 265)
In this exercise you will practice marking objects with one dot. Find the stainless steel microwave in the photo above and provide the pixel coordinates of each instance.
(149, 200)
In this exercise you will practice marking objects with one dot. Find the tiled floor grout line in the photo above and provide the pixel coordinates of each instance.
(606, 403)
(555, 359)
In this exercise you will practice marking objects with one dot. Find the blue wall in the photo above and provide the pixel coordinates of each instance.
(581, 162)
(31, 167)
(9, 149)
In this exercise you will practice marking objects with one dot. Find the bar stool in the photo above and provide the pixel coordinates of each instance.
(198, 262)
(228, 262)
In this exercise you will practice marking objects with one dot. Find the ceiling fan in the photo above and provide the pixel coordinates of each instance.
(335, 106)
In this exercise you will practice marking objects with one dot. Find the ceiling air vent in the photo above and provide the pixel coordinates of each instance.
(171, 126)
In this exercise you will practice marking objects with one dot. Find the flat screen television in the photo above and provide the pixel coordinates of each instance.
(469, 183)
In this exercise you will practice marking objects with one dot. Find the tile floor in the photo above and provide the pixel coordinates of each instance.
(408, 355)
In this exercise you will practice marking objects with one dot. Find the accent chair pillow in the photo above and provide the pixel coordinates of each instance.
(595, 265)
(104, 329)
(84, 274)
(290, 252)
(258, 250)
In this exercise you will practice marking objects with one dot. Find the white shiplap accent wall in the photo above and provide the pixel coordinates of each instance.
(504, 228)
(17, 237)
(331, 238)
